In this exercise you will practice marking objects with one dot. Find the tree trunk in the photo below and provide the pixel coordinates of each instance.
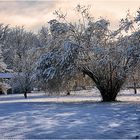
(108, 87)
(135, 84)
(68, 93)
(25, 95)
(108, 95)
(135, 88)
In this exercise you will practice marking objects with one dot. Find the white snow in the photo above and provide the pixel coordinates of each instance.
(92, 95)
(41, 117)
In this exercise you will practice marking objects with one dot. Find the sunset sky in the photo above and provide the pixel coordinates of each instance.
(34, 14)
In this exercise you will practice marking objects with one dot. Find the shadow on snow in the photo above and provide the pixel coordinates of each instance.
(70, 120)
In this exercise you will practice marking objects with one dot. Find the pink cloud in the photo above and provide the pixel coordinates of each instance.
(34, 14)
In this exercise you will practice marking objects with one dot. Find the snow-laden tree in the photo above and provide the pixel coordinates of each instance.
(133, 81)
(20, 54)
(49, 62)
(55, 68)
(3, 67)
(110, 66)
(107, 57)
(110, 57)
(3, 32)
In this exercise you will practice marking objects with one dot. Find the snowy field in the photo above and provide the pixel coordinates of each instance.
(78, 96)
(41, 116)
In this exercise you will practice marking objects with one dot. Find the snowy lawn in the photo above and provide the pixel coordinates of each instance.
(78, 96)
(36, 118)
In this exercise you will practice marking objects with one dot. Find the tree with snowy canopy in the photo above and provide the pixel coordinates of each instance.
(56, 67)
(2, 64)
(107, 57)
(20, 52)
(3, 67)
(3, 31)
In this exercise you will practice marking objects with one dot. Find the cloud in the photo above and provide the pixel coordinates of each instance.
(28, 13)
(34, 14)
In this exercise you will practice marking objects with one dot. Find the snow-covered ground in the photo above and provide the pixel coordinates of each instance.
(77, 96)
(41, 117)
